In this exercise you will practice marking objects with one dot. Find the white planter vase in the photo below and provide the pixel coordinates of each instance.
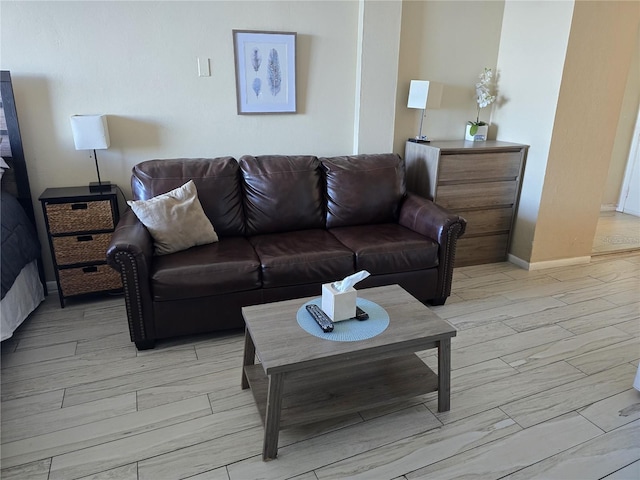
(480, 135)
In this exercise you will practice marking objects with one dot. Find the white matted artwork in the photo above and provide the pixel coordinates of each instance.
(265, 71)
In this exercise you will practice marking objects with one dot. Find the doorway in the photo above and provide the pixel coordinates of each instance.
(619, 230)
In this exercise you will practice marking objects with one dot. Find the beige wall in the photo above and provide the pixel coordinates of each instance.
(136, 62)
(449, 42)
(530, 77)
(624, 134)
(601, 45)
(376, 77)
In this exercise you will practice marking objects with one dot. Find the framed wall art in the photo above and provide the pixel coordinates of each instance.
(265, 71)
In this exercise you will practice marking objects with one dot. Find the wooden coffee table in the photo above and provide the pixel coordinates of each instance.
(303, 379)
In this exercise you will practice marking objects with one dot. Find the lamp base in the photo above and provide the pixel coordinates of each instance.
(98, 187)
(419, 140)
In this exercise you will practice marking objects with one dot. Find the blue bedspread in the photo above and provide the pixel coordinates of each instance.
(20, 244)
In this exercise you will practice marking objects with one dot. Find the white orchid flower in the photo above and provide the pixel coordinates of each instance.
(484, 98)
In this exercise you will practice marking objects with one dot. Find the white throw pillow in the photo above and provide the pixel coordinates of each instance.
(175, 219)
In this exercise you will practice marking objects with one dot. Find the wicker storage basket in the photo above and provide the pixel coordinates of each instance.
(80, 216)
(81, 249)
(96, 278)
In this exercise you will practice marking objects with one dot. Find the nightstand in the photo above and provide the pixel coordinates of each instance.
(79, 227)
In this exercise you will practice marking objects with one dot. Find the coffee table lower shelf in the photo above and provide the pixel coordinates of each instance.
(317, 394)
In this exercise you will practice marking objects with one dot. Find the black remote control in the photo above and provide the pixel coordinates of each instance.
(361, 314)
(320, 317)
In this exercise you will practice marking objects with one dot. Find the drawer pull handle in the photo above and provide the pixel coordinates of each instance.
(90, 269)
(78, 206)
(85, 238)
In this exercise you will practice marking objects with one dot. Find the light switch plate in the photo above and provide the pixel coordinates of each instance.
(204, 70)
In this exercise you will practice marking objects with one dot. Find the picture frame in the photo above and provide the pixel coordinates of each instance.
(265, 64)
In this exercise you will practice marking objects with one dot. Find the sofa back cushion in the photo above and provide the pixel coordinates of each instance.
(281, 193)
(363, 189)
(217, 181)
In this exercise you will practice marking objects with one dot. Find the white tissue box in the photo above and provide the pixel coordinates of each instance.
(338, 305)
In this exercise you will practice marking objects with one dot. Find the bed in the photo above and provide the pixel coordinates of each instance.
(22, 275)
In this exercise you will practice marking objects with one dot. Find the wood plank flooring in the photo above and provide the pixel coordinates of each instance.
(543, 367)
(616, 232)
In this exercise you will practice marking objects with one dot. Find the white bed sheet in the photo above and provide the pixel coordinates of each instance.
(22, 299)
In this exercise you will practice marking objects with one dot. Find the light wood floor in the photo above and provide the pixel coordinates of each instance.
(543, 366)
(616, 232)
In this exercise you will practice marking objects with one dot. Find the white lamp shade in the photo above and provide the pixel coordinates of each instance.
(90, 132)
(424, 94)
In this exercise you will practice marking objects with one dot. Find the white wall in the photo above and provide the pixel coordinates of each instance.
(531, 59)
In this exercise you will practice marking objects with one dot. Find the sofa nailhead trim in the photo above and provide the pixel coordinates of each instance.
(452, 238)
(122, 258)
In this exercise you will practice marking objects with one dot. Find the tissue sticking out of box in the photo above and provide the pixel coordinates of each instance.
(347, 282)
(339, 298)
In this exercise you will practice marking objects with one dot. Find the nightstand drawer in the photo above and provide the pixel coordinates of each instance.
(479, 167)
(479, 250)
(477, 195)
(79, 216)
(95, 278)
(480, 181)
(482, 222)
(89, 248)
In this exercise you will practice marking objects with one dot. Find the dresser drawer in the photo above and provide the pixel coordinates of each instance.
(482, 222)
(478, 250)
(479, 167)
(89, 248)
(96, 278)
(79, 216)
(476, 195)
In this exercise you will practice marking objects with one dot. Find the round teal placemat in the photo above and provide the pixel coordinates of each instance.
(347, 330)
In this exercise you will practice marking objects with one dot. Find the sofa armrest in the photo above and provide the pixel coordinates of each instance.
(425, 217)
(131, 253)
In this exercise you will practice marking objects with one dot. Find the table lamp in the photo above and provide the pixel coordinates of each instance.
(424, 94)
(90, 132)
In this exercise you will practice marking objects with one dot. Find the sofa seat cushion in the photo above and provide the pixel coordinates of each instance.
(230, 265)
(302, 257)
(388, 248)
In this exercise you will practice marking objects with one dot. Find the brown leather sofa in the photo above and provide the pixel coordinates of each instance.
(286, 225)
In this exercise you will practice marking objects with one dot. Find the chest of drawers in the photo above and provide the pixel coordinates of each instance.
(79, 228)
(479, 181)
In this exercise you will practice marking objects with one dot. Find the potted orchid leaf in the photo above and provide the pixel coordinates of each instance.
(484, 98)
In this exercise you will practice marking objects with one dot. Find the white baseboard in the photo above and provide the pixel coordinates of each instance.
(562, 262)
(630, 211)
(610, 207)
(517, 261)
(52, 287)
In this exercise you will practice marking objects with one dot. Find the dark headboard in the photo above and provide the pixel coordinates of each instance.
(15, 180)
